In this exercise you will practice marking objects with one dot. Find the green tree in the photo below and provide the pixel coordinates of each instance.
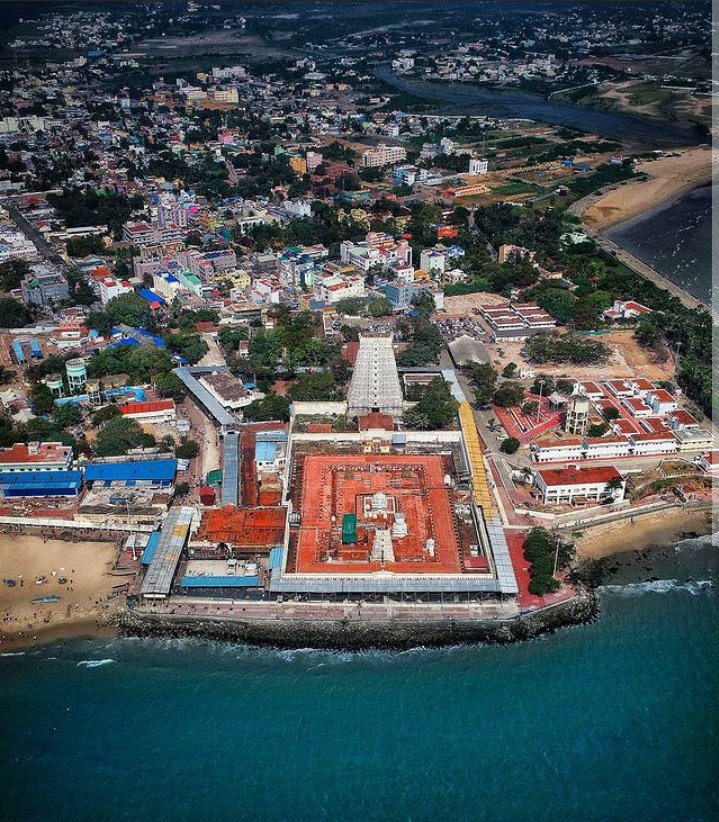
(315, 385)
(102, 415)
(190, 346)
(130, 309)
(484, 379)
(597, 429)
(508, 394)
(118, 435)
(435, 409)
(510, 370)
(510, 445)
(42, 399)
(66, 415)
(13, 314)
(170, 386)
(381, 307)
(187, 450)
(271, 407)
(12, 273)
(543, 383)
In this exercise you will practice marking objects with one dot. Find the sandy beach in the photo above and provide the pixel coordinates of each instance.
(668, 178)
(83, 596)
(644, 532)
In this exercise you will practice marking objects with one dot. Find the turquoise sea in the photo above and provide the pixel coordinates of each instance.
(609, 721)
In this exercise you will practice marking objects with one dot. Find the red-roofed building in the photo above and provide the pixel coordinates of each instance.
(709, 462)
(625, 310)
(620, 388)
(649, 444)
(375, 421)
(653, 426)
(36, 456)
(641, 386)
(556, 450)
(349, 351)
(623, 426)
(589, 389)
(605, 447)
(576, 485)
(637, 407)
(661, 401)
(680, 420)
(152, 412)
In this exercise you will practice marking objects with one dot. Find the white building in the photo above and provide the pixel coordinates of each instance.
(110, 288)
(661, 401)
(477, 166)
(335, 287)
(14, 245)
(432, 260)
(378, 248)
(375, 384)
(557, 451)
(649, 444)
(597, 448)
(383, 155)
(579, 484)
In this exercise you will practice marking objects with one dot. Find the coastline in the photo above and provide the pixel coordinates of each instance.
(669, 178)
(107, 619)
(643, 533)
(87, 599)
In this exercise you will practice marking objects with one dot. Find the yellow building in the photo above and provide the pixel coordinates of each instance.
(298, 165)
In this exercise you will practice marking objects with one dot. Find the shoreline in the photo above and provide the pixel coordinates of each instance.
(75, 575)
(669, 178)
(109, 619)
(644, 533)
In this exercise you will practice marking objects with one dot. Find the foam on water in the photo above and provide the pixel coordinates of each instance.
(94, 663)
(659, 586)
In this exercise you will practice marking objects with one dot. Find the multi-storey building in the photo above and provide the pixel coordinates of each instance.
(383, 155)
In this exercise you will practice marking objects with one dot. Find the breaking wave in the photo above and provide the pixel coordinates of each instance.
(659, 586)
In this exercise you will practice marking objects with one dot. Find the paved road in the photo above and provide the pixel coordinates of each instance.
(29, 230)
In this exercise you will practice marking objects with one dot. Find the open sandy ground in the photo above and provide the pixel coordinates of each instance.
(645, 532)
(669, 178)
(84, 597)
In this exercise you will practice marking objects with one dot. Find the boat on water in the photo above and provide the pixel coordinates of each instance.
(45, 600)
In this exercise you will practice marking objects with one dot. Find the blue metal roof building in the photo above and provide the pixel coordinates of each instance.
(19, 353)
(150, 548)
(40, 483)
(151, 296)
(35, 349)
(265, 451)
(140, 472)
(219, 582)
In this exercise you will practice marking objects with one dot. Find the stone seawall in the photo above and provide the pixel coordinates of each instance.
(358, 635)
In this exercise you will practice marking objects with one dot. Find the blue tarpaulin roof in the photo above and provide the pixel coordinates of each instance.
(154, 470)
(151, 296)
(41, 478)
(220, 582)
(276, 556)
(150, 548)
(265, 451)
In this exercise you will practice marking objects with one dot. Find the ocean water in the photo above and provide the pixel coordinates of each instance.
(676, 240)
(608, 721)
